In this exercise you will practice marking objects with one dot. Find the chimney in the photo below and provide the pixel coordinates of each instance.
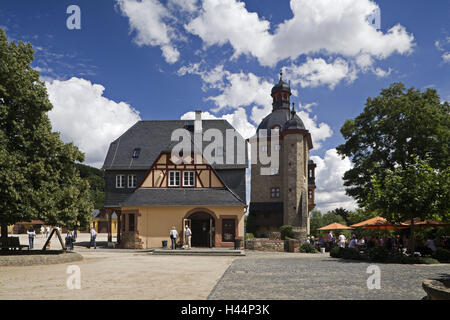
(198, 121)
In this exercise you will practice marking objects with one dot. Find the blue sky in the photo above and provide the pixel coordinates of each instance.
(155, 59)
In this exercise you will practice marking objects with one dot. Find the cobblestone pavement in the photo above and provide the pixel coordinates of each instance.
(318, 276)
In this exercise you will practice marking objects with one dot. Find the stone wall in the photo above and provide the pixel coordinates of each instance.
(264, 244)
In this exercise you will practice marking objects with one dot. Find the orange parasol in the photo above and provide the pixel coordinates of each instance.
(335, 226)
(378, 223)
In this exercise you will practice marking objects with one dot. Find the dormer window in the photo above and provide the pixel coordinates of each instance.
(136, 153)
(174, 178)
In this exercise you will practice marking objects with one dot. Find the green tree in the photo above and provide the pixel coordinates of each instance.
(38, 177)
(418, 190)
(396, 124)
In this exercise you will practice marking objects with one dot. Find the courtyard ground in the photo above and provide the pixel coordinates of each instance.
(134, 274)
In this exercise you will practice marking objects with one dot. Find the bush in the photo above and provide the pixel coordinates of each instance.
(442, 255)
(307, 248)
(336, 252)
(378, 254)
(286, 232)
(249, 236)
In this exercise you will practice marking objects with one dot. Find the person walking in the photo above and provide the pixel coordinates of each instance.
(75, 234)
(93, 236)
(47, 231)
(31, 234)
(173, 237)
(188, 234)
(42, 231)
(69, 240)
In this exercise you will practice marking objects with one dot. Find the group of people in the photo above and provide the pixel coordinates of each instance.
(394, 244)
(174, 236)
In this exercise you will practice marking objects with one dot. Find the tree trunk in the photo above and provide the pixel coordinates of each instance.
(4, 236)
(411, 242)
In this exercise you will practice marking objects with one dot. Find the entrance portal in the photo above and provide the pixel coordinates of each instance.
(203, 229)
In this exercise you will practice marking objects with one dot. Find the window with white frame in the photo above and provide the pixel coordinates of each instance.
(132, 181)
(188, 178)
(120, 181)
(174, 178)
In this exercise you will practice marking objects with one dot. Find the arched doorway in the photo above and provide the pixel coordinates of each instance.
(203, 227)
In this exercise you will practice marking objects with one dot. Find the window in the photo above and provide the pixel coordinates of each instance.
(132, 181)
(136, 153)
(219, 151)
(310, 173)
(275, 192)
(264, 148)
(274, 171)
(310, 194)
(120, 181)
(277, 147)
(188, 178)
(174, 178)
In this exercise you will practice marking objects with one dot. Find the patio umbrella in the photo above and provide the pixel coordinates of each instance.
(335, 226)
(378, 223)
(426, 223)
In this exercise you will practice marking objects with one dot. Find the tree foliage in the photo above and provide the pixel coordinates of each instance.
(38, 177)
(398, 123)
(418, 190)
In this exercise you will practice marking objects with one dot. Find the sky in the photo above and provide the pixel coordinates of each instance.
(133, 60)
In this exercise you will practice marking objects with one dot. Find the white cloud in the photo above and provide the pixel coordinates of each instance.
(185, 5)
(149, 18)
(446, 57)
(317, 72)
(228, 21)
(380, 73)
(330, 192)
(319, 131)
(242, 90)
(335, 27)
(85, 117)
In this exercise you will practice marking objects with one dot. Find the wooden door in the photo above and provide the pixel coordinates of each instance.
(228, 230)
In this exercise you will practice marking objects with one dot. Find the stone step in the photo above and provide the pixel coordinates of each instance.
(199, 252)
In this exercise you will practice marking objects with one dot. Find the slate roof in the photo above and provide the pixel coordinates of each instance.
(279, 117)
(153, 137)
(181, 197)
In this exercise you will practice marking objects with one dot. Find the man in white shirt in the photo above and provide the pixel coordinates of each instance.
(173, 237)
(188, 234)
(93, 236)
(341, 241)
(353, 243)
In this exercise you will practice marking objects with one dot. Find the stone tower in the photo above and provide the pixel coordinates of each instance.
(285, 196)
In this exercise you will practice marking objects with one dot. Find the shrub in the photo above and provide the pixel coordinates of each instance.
(336, 252)
(442, 255)
(427, 260)
(286, 232)
(249, 236)
(307, 248)
(349, 253)
(378, 254)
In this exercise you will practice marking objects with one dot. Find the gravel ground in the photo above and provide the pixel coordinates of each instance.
(293, 276)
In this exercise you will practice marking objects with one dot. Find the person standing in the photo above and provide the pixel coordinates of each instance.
(330, 238)
(188, 234)
(47, 231)
(75, 234)
(69, 240)
(42, 231)
(31, 234)
(342, 240)
(173, 237)
(93, 236)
